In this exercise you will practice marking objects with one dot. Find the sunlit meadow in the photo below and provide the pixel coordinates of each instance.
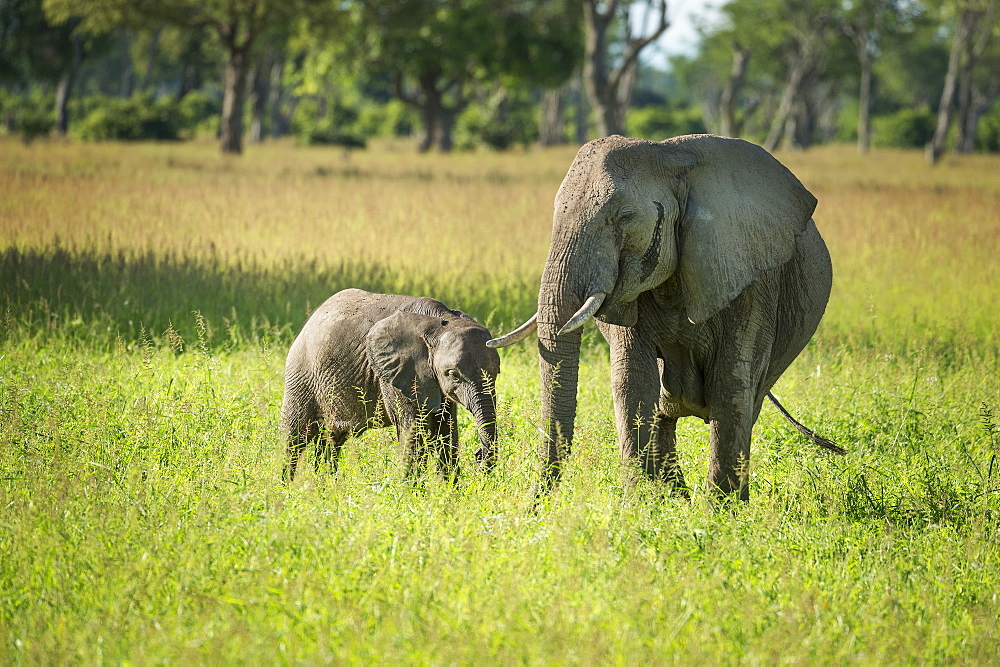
(148, 294)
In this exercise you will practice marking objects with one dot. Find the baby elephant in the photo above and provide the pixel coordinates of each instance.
(366, 360)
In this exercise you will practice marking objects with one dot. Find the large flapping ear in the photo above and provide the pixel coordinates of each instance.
(398, 351)
(742, 214)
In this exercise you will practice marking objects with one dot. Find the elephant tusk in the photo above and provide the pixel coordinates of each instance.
(517, 335)
(587, 310)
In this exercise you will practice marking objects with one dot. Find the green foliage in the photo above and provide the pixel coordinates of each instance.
(318, 122)
(392, 119)
(137, 118)
(198, 110)
(988, 135)
(907, 128)
(658, 122)
(498, 129)
(29, 116)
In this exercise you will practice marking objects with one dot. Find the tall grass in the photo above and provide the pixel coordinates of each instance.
(147, 297)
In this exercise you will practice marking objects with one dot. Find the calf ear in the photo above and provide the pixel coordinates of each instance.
(398, 351)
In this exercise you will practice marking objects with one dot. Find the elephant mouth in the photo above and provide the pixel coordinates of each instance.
(621, 313)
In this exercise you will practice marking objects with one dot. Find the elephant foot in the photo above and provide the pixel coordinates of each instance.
(674, 480)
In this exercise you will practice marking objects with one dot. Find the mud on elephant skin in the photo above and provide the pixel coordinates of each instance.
(699, 259)
(365, 360)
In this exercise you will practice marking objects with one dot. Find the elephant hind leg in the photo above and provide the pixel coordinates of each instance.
(729, 460)
(301, 426)
(328, 447)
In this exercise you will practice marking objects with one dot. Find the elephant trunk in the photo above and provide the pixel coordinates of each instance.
(483, 407)
(564, 305)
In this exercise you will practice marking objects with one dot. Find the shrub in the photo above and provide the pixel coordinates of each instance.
(316, 122)
(478, 125)
(28, 115)
(907, 128)
(392, 119)
(658, 122)
(140, 117)
(198, 111)
(988, 132)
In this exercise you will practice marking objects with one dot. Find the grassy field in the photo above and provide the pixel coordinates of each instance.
(148, 294)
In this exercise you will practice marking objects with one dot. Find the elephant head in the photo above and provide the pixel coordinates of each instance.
(709, 212)
(433, 360)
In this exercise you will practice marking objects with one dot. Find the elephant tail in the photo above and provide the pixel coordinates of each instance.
(809, 433)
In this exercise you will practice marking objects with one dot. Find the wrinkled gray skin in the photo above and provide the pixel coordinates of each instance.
(713, 277)
(366, 360)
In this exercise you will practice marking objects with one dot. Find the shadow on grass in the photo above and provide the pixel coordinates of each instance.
(100, 298)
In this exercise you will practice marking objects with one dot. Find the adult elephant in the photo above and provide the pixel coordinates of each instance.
(701, 263)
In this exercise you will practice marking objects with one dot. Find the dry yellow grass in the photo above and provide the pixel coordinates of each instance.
(913, 247)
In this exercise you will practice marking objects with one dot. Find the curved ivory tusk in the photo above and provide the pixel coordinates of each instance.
(587, 310)
(517, 335)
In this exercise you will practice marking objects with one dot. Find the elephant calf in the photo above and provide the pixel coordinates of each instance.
(366, 360)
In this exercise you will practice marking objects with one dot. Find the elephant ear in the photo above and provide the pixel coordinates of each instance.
(398, 350)
(743, 213)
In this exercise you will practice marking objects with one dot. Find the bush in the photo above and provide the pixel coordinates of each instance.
(907, 128)
(988, 131)
(392, 119)
(478, 125)
(30, 115)
(657, 122)
(316, 122)
(198, 111)
(140, 117)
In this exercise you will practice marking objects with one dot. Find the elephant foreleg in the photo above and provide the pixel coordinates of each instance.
(635, 386)
(666, 453)
(447, 442)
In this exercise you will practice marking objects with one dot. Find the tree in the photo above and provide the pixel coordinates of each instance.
(435, 51)
(36, 47)
(235, 23)
(807, 27)
(729, 125)
(866, 22)
(973, 24)
(608, 85)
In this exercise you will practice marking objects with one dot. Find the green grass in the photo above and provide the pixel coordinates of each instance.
(147, 297)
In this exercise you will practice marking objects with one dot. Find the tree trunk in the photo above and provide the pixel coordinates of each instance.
(128, 71)
(446, 124)
(234, 97)
(623, 96)
(595, 74)
(260, 95)
(737, 74)
(865, 102)
(580, 112)
(968, 104)
(65, 88)
(429, 111)
(607, 89)
(151, 56)
(552, 121)
(936, 146)
(789, 97)
(278, 125)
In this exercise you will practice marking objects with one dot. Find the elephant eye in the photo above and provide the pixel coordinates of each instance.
(625, 216)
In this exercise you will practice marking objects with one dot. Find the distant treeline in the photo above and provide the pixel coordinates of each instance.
(501, 73)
